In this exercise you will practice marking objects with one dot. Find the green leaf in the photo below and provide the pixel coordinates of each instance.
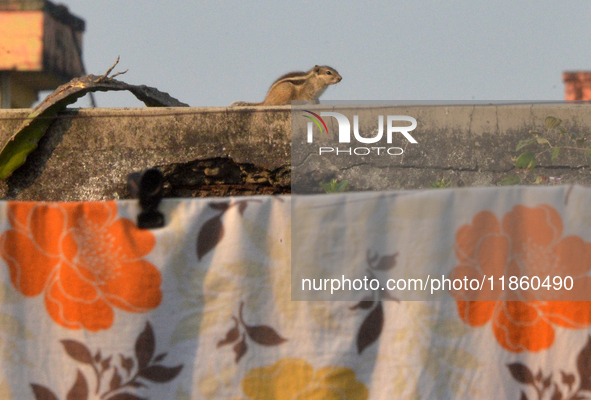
(182, 394)
(9, 295)
(440, 184)
(24, 141)
(186, 329)
(461, 359)
(14, 327)
(328, 187)
(525, 142)
(543, 141)
(342, 186)
(532, 164)
(271, 246)
(555, 153)
(510, 180)
(26, 137)
(526, 160)
(248, 269)
(334, 186)
(11, 352)
(450, 327)
(552, 122)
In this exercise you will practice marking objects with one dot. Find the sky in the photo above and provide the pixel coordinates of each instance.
(211, 53)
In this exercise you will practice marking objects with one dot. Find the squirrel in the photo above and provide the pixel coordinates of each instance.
(308, 86)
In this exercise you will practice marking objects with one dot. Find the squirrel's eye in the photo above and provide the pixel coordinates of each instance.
(328, 73)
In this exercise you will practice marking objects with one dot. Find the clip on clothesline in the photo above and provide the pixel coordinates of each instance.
(147, 186)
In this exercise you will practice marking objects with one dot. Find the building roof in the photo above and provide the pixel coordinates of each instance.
(58, 11)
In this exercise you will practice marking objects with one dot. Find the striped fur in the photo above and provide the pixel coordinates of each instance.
(306, 86)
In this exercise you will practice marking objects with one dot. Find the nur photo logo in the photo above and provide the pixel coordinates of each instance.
(316, 122)
(344, 134)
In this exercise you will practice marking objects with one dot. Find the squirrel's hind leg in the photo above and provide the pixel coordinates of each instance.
(280, 95)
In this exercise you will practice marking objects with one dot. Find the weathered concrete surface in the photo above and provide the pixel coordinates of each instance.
(87, 154)
(465, 145)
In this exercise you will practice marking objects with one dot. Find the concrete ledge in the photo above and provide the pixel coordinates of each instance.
(466, 145)
(87, 154)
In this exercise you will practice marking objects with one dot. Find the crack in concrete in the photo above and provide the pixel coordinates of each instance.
(417, 167)
(478, 170)
(470, 123)
(497, 115)
(304, 161)
(579, 167)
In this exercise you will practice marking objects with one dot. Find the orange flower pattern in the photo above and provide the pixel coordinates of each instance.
(83, 258)
(527, 242)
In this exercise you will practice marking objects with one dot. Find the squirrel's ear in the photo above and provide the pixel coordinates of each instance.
(316, 68)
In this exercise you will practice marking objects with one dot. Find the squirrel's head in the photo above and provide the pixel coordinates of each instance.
(328, 75)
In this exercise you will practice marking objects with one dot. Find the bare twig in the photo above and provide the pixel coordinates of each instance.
(106, 75)
(119, 73)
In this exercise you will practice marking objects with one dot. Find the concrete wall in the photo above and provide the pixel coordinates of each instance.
(87, 154)
(465, 145)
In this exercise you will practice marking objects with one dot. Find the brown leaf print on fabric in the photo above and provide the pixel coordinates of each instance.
(212, 231)
(365, 304)
(210, 235)
(126, 396)
(377, 264)
(371, 328)
(42, 393)
(373, 323)
(145, 345)
(116, 381)
(80, 388)
(78, 351)
(232, 335)
(240, 348)
(260, 334)
(554, 387)
(127, 363)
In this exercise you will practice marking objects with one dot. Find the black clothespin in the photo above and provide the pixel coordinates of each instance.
(147, 187)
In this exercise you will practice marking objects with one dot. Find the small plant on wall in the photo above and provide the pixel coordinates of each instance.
(335, 186)
(440, 184)
(553, 143)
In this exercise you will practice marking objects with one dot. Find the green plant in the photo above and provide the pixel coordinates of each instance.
(556, 139)
(335, 186)
(440, 184)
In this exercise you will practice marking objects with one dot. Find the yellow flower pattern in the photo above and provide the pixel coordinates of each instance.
(296, 379)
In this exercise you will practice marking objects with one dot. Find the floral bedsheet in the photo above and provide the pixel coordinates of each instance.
(91, 307)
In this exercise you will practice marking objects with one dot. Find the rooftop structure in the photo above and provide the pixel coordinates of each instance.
(577, 85)
(40, 49)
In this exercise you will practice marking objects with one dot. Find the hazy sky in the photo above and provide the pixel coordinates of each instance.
(211, 53)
